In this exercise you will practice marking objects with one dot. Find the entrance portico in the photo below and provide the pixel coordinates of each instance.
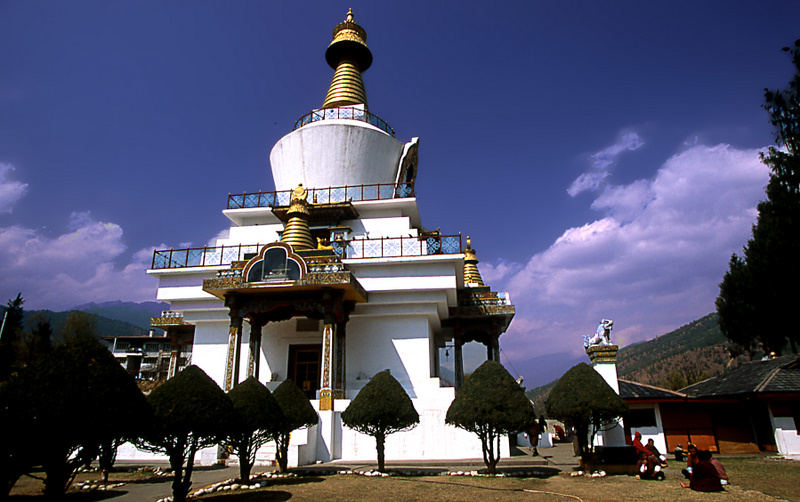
(323, 290)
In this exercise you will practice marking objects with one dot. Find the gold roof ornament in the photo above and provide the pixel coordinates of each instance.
(349, 55)
(472, 278)
(297, 233)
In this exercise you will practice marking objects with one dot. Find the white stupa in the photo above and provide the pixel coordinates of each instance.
(332, 278)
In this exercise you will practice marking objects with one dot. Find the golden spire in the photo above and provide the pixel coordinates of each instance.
(349, 55)
(472, 278)
(297, 233)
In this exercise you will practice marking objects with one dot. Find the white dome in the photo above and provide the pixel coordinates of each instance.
(333, 153)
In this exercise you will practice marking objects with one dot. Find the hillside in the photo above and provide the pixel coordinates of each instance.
(104, 325)
(695, 351)
(138, 314)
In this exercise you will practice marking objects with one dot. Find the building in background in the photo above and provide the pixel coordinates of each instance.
(154, 357)
(752, 408)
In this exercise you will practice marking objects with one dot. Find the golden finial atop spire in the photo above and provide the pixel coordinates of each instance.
(297, 233)
(349, 55)
(472, 278)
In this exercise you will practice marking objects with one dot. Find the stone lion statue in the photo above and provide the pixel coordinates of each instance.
(602, 336)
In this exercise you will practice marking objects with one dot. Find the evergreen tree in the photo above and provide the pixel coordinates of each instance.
(65, 405)
(10, 326)
(258, 420)
(77, 324)
(582, 398)
(191, 413)
(491, 404)
(35, 341)
(297, 413)
(381, 408)
(756, 302)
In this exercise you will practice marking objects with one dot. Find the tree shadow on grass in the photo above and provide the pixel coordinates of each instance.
(260, 496)
(88, 496)
(532, 472)
(299, 480)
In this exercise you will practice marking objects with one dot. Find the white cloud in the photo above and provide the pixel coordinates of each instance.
(587, 182)
(73, 268)
(601, 162)
(629, 141)
(10, 191)
(652, 262)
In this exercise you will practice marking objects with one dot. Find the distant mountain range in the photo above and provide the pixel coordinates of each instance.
(138, 314)
(111, 318)
(697, 350)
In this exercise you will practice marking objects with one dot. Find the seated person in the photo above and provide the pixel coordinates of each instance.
(723, 476)
(679, 453)
(649, 468)
(651, 447)
(704, 477)
(691, 460)
(637, 443)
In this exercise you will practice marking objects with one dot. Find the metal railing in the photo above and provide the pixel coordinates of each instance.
(280, 198)
(382, 247)
(202, 257)
(347, 113)
(388, 247)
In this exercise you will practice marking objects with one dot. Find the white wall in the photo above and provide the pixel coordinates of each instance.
(786, 434)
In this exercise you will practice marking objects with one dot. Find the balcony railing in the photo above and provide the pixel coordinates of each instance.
(379, 191)
(346, 113)
(202, 257)
(382, 247)
(388, 247)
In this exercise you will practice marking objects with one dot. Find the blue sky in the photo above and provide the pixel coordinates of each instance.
(603, 156)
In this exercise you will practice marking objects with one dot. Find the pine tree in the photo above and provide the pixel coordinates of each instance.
(756, 303)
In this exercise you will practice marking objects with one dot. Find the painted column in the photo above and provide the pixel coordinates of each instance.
(458, 359)
(328, 365)
(254, 360)
(234, 348)
(493, 347)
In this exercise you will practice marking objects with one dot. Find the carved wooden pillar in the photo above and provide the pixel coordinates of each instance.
(458, 362)
(254, 360)
(234, 348)
(328, 376)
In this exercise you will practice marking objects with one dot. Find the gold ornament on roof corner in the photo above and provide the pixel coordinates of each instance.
(472, 277)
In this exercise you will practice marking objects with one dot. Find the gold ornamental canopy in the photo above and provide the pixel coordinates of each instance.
(349, 56)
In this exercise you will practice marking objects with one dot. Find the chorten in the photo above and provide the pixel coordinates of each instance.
(332, 278)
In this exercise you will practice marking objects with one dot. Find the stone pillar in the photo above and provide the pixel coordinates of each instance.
(234, 348)
(328, 365)
(458, 359)
(604, 361)
(254, 359)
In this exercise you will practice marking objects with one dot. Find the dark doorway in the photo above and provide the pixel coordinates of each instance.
(305, 367)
